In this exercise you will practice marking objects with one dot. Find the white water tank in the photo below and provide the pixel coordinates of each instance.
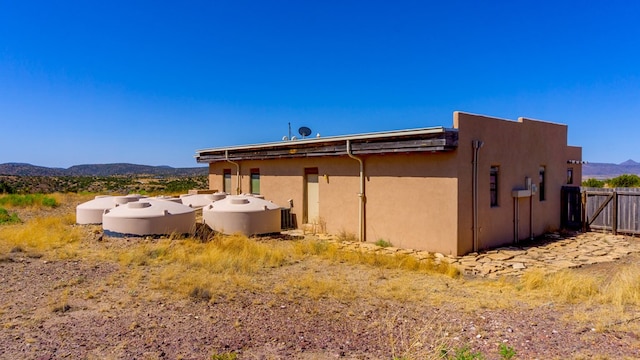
(150, 217)
(243, 214)
(90, 212)
(197, 201)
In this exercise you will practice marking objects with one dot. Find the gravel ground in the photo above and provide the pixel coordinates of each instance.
(83, 309)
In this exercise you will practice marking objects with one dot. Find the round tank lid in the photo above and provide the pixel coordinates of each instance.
(138, 205)
(149, 209)
(241, 203)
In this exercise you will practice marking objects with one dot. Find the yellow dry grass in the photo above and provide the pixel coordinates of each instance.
(621, 286)
(227, 265)
(53, 236)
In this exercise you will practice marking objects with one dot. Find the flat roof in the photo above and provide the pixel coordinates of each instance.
(399, 141)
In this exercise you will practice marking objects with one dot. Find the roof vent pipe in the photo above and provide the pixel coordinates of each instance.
(238, 187)
(361, 195)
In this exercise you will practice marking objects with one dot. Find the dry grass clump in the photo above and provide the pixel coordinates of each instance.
(333, 253)
(233, 254)
(51, 234)
(620, 287)
(623, 288)
(565, 285)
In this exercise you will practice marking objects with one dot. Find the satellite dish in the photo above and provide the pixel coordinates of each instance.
(304, 131)
(285, 138)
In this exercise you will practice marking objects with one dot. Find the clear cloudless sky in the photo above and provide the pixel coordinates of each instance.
(150, 82)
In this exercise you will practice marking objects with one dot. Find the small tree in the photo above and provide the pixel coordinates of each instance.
(625, 180)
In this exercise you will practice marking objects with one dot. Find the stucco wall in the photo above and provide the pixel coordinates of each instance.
(519, 148)
(410, 199)
(424, 200)
(284, 179)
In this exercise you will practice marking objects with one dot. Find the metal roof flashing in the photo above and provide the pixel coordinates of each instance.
(409, 140)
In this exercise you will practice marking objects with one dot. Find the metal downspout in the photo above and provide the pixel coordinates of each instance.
(477, 144)
(238, 187)
(361, 194)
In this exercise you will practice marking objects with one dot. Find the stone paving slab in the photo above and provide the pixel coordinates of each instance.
(556, 254)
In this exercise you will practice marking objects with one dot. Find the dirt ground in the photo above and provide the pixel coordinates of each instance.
(87, 309)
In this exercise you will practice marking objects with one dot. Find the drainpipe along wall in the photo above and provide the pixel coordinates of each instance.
(477, 144)
(361, 195)
(239, 185)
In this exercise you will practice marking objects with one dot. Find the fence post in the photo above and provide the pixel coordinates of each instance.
(583, 211)
(614, 213)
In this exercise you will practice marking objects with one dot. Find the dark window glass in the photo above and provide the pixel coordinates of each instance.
(493, 185)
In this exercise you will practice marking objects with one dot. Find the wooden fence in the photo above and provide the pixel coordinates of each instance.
(616, 210)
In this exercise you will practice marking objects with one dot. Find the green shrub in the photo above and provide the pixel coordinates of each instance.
(506, 352)
(6, 218)
(224, 356)
(625, 180)
(463, 353)
(383, 243)
(593, 183)
(28, 200)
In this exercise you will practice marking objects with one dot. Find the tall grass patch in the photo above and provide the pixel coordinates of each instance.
(620, 287)
(566, 285)
(29, 200)
(45, 234)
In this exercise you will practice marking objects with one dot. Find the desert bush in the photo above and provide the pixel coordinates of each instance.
(625, 180)
(224, 356)
(595, 183)
(6, 218)
(28, 200)
(383, 243)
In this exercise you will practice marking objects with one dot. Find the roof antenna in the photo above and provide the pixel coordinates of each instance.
(289, 130)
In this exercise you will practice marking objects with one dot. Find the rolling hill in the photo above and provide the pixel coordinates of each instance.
(609, 170)
(22, 169)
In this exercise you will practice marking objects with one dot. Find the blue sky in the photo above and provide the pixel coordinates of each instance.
(150, 82)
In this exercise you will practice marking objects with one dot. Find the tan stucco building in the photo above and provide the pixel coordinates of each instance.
(484, 182)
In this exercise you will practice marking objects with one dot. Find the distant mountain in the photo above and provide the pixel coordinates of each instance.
(608, 170)
(629, 163)
(21, 169)
(29, 170)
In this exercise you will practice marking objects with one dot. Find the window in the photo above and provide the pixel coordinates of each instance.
(493, 185)
(255, 181)
(541, 184)
(226, 181)
(570, 176)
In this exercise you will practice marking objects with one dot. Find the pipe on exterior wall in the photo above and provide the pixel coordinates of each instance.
(477, 144)
(361, 195)
(238, 187)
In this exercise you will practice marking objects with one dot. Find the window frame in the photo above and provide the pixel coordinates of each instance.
(494, 186)
(542, 177)
(254, 178)
(226, 175)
